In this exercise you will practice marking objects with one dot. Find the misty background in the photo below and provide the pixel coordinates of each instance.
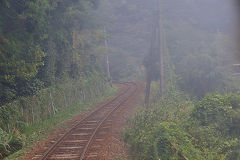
(200, 40)
(53, 64)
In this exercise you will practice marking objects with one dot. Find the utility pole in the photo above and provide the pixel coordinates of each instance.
(156, 47)
(160, 49)
(150, 63)
(107, 59)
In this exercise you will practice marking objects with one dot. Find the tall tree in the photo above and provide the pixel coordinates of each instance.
(37, 46)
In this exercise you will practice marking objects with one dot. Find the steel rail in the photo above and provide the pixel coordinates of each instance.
(52, 148)
(102, 121)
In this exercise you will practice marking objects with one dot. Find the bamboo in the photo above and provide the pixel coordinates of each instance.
(33, 118)
(65, 99)
(107, 60)
(52, 103)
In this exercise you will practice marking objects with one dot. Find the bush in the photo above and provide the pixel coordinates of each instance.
(153, 133)
(4, 143)
(174, 127)
(220, 112)
(215, 124)
(16, 118)
(163, 141)
(10, 143)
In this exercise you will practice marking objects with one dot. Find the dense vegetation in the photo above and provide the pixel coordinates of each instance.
(197, 116)
(51, 55)
(177, 128)
(40, 44)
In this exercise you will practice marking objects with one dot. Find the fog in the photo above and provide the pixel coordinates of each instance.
(60, 57)
(200, 39)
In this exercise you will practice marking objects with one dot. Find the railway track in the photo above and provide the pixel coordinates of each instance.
(76, 142)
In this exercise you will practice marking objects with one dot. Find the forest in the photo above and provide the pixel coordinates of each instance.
(51, 56)
(53, 66)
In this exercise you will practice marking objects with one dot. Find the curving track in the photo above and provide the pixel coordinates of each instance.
(75, 143)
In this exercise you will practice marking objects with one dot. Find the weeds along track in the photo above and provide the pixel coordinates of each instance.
(75, 143)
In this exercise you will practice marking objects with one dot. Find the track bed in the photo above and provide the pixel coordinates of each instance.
(86, 137)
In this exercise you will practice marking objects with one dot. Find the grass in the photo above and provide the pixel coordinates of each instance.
(39, 130)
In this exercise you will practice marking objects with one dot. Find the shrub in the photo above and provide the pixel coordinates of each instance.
(10, 143)
(220, 112)
(163, 141)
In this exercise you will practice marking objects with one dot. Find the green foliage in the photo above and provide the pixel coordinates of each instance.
(4, 147)
(37, 43)
(220, 112)
(153, 133)
(157, 143)
(49, 101)
(207, 130)
(215, 118)
(50, 58)
(25, 116)
(10, 143)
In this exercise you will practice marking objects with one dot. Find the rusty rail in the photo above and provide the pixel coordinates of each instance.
(107, 110)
